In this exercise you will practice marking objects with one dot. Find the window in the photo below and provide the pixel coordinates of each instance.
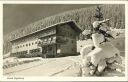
(36, 42)
(32, 43)
(29, 44)
(39, 42)
(26, 44)
(53, 31)
(35, 50)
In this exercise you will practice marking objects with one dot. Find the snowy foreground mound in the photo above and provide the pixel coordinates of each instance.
(113, 70)
(74, 69)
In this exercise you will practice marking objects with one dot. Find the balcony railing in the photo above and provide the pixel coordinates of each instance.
(49, 42)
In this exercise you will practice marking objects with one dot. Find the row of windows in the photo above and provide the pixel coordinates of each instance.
(20, 53)
(48, 39)
(29, 44)
(35, 50)
(25, 52)
(32, 43)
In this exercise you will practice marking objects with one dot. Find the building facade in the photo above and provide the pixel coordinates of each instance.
(53, 41)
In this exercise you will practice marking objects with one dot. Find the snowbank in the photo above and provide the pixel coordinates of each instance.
(118, 43)
(6, 55)
(13, 61)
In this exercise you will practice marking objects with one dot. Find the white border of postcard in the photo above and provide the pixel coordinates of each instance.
(35, 78)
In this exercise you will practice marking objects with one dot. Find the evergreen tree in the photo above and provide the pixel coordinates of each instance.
(98, 15)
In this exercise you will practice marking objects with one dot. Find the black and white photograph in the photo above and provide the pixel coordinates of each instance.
(64, 40)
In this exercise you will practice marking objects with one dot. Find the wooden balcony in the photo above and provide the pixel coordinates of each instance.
(45, 43)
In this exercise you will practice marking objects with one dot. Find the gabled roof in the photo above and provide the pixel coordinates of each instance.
(74, 26)
(71, 23)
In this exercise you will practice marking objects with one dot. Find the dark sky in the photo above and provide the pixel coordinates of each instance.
(19, 15)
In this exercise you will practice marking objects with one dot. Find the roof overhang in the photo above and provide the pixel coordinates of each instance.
(70, 22)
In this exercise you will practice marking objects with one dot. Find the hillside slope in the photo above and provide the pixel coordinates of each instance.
(83, 17)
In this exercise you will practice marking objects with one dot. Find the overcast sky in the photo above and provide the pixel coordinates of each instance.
(17, 16)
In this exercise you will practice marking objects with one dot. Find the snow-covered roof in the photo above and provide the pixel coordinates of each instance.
(70, 22)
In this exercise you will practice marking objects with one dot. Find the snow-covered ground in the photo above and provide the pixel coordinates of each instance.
(63, 66)
(14, 61)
